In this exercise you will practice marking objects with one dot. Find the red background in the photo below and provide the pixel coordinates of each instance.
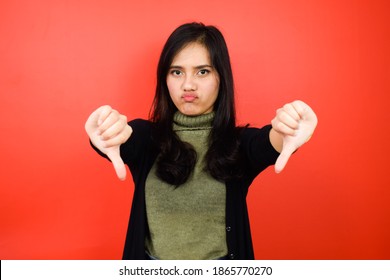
(59, 60)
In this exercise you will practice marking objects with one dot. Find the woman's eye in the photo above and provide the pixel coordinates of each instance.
(203, 72)
(176, 72)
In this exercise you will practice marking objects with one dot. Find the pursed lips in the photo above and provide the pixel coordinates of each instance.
(189, 97)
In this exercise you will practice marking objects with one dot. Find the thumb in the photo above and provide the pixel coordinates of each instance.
(117, 161)
(284, 156)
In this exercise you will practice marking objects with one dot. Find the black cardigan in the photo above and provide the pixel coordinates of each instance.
(139, 153)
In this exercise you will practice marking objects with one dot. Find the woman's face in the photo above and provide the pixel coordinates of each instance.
(192, 81)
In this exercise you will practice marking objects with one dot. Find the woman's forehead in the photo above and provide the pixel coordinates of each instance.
(192, 54)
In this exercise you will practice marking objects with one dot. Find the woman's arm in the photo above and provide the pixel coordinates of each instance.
(108, 130)
(293, 126)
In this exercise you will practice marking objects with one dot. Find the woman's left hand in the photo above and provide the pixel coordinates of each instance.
(293, 126)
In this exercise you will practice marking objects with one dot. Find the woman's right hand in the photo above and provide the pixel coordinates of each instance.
(108, 129)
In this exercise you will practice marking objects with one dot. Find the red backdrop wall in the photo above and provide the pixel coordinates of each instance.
(59, 60)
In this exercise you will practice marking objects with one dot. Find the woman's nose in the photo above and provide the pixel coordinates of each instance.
(189, 83)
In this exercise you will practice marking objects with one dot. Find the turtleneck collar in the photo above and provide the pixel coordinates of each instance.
(184, 122)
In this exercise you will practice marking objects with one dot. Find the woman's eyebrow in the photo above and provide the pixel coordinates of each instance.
(196, 67)
(203, 66)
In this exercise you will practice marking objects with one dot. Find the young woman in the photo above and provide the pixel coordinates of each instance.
(191, 165)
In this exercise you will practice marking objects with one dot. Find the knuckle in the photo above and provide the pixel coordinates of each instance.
(106, 107)
(114, 115)
(122, 138)
(283, 116)
(280, 126)
(123, 118)
(274, 121)
(298, 102)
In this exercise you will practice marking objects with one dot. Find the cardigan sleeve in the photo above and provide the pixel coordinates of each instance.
(139, 142)
(258, 149)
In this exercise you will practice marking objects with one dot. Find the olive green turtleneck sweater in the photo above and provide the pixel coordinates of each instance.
(187, 222)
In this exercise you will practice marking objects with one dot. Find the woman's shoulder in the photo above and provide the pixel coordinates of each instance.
(250, 131)
(142, 129)
(140, 124)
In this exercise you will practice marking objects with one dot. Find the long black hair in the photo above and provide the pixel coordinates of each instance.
(177, 159)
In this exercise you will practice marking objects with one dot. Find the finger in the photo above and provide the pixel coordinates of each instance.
(118, 164)
(115, 141)
(119, 139)
(104, 112)
(91, 123)
(282, 128)
(115, 129)
(299, 107)
(291, 111)
(283, 158)
(95, 119)
(308, 114)
(109, 120)
(289, 118)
